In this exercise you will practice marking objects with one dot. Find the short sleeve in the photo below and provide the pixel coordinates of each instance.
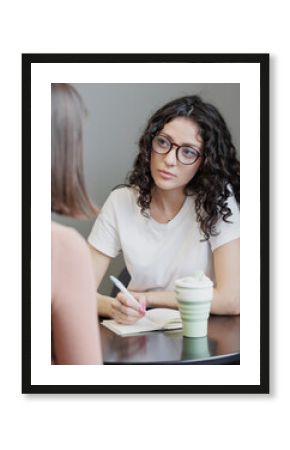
(104, 235)
(227, 231)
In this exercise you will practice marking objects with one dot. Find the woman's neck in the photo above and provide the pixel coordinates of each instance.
(165, 205)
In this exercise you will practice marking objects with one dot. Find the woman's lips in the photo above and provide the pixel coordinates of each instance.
(166, 175)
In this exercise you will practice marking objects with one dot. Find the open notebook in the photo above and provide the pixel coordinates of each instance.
(155, 319)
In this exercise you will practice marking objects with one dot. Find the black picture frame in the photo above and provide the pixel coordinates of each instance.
(263, 61)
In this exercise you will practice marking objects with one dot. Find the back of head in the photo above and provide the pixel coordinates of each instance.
(68, 193)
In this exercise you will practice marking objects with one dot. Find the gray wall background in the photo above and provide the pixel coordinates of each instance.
(117, 115)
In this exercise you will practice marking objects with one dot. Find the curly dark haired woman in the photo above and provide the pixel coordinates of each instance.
(179, 212)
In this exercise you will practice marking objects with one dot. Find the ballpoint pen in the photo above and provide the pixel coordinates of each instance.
(127, 294)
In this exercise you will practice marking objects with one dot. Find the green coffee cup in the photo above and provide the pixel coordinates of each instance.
(194, 296)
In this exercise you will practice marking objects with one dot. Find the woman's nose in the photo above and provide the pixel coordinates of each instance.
(170, 157)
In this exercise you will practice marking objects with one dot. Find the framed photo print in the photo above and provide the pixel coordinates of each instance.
(155, 251)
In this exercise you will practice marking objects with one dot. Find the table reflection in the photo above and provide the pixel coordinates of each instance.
(170, 347)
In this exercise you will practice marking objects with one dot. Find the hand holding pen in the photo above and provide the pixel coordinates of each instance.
(127, 308)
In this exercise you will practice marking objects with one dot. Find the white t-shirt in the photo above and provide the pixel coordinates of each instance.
(157, 254)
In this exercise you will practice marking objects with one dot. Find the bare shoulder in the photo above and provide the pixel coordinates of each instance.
(67, 240)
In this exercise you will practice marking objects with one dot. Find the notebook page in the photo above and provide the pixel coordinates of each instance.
(143, 325)
(167, 318)
(155, 319)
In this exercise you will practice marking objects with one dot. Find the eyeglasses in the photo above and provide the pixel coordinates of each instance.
(185, 155)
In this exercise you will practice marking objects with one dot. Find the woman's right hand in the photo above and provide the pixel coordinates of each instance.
(124, 311)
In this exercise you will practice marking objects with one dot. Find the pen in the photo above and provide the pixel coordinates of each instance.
(126, 293)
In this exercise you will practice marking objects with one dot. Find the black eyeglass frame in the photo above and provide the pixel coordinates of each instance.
(178, 147)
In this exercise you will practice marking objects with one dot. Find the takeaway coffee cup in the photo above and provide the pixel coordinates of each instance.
(194, 296)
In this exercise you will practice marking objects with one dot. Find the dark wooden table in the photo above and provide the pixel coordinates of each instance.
(221, 346)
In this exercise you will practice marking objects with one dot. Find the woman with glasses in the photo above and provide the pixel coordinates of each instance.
(179, 212)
